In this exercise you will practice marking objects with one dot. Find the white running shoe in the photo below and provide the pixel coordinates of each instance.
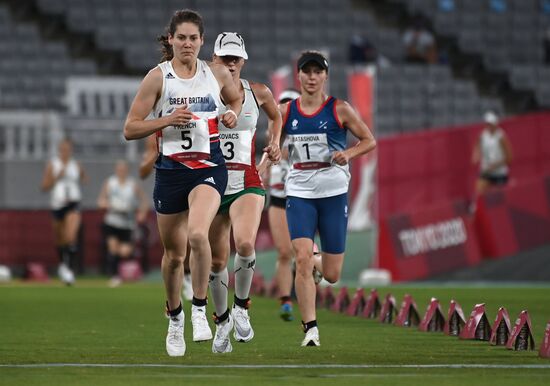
(65, 274)
(187, 289)
(175, 344)
(221, 343)
(115, 281)
(317, 275)
(243, 329)
(201, 329)
(312, 338)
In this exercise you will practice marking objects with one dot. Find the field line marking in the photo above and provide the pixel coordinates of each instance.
(278, 366)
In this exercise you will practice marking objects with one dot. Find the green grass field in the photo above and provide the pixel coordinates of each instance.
(124, 329)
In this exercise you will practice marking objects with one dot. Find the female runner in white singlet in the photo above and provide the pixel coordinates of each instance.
(316, 126)
(493, 152)
(278, 224)
(62, 178)
(125, 206)
(191, 176)
(243, 201)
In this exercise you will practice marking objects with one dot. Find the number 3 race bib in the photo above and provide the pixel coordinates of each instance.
(237, 149)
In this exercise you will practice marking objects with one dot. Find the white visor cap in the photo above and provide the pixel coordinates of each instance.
(490, 118)
(230, 44)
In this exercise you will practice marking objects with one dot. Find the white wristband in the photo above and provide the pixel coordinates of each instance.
(232, 112)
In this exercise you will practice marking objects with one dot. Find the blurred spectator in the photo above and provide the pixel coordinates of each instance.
(419, 42)
(546, 45)
(494, 153)
(446, 5)
(122, 198)
(498, 6)
(361, 50)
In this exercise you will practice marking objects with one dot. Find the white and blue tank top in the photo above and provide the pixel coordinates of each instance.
(312, 138)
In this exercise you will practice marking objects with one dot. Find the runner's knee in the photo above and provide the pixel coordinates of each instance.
(173, 259)
(218, 262)
(245, 247)
(304, 263)
(285, 255)
(331, 274)
(197, 239)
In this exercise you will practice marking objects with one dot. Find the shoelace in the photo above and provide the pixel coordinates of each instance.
(198, 317)
(175, 332)
(242, 316)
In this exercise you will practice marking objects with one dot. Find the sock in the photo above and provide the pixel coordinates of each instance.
(285, 299)
(198, 302)
(113, 264)
(218, 284)
(222, 318)
(307, 326)
(66, 256)
(243, 303)
(72, 250)
(187, 278)
(69, 254)
(244, 271)
(60, 253)
(176, 314)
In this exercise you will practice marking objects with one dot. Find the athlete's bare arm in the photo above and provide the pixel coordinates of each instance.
(149, 157)
(507, 148)
(48, 180)
(349, 118)
(149, 92)
(267, 103)
(102, 200)
(283, 109)
(476, 153)
(83, 176)
(230, 94)
(143, 208)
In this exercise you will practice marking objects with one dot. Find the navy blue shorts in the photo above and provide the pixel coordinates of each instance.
(494, 180)
(277, 202)
(123, 235)
(59, 214)
(173, 186)
(328, 215)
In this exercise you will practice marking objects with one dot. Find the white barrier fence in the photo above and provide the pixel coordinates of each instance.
(29, 135)
(100, 97)
(96, 108)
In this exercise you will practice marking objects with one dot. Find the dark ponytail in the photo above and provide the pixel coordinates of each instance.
(183, 16)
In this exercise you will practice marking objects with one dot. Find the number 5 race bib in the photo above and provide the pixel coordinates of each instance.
(237, 148)
(309, 151)
(190, 141)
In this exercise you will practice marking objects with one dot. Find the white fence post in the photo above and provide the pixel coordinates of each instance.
(23, 134)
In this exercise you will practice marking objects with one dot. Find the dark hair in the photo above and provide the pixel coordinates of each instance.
(288, 98)
(182, 16)
(67, 138)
